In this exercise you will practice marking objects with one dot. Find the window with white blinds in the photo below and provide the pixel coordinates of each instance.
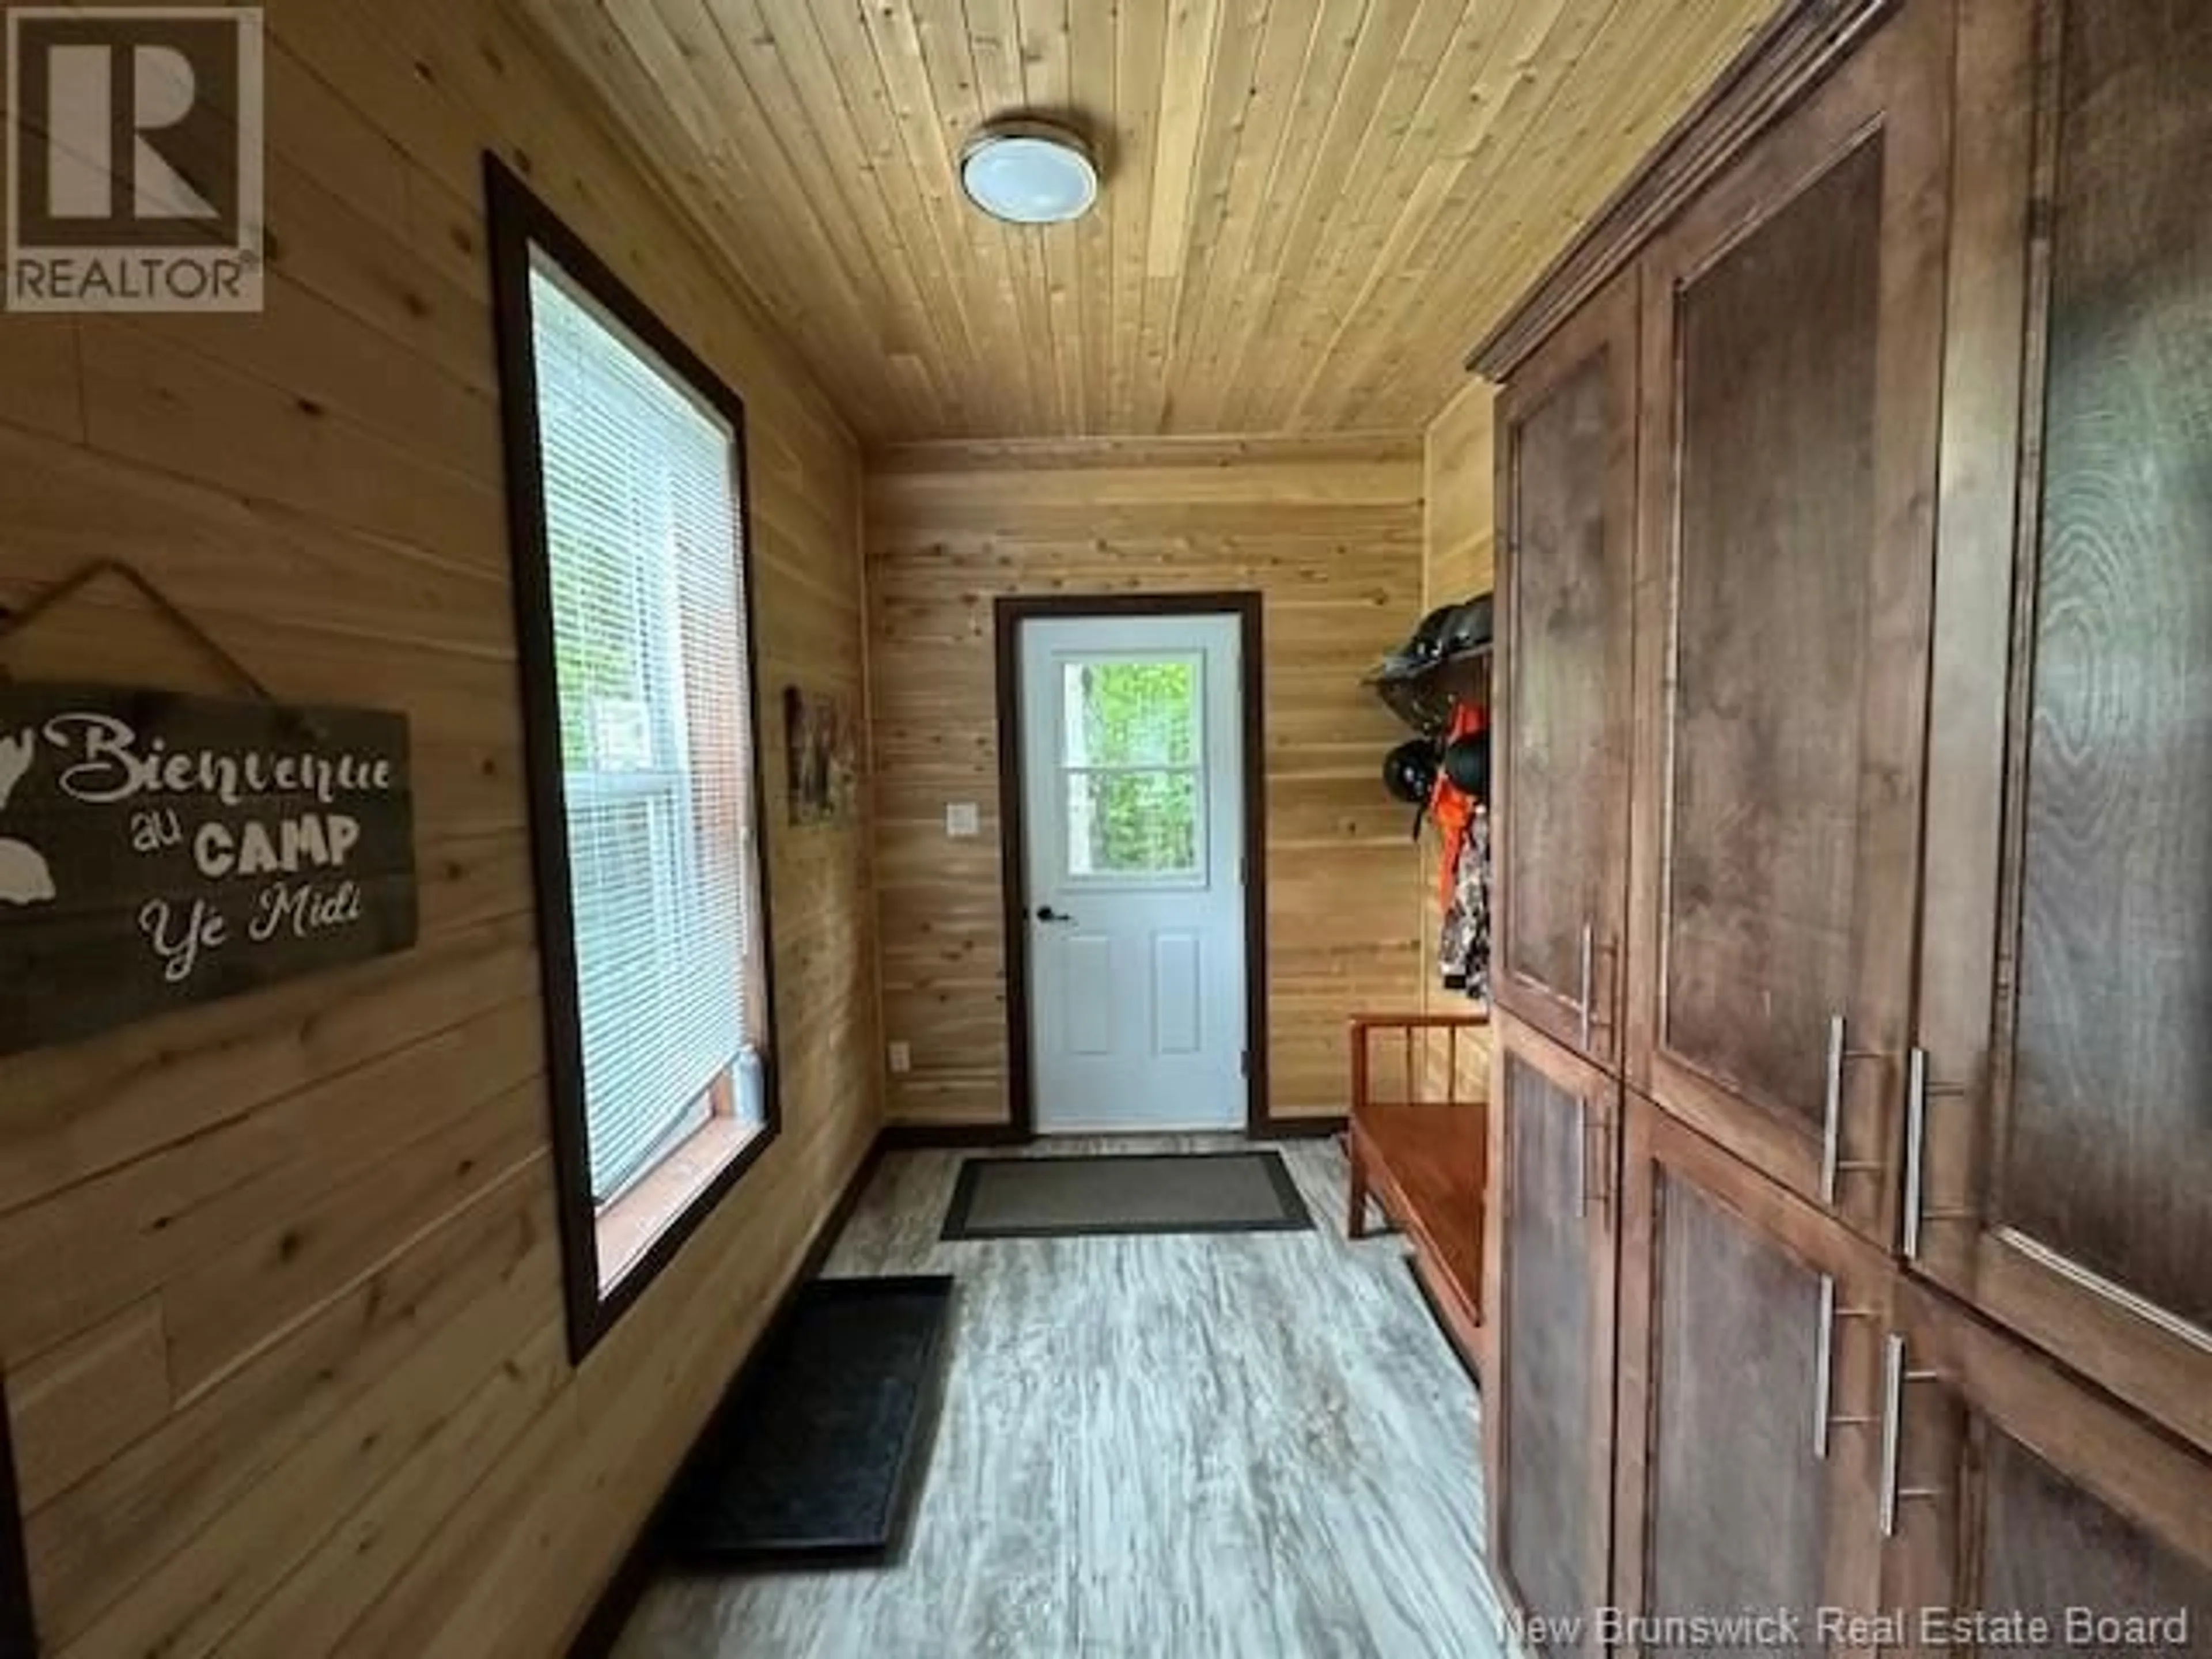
(649, 636)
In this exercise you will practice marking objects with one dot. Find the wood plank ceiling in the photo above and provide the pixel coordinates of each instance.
(1312, 210)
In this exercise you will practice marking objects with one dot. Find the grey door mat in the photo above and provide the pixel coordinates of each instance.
(1125, 1193)
(816, 1460)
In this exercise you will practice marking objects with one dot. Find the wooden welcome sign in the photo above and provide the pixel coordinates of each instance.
(158, 850)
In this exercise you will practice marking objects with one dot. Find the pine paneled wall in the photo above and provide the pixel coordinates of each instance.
(1458, 546)
(279, 1297)
(1459, 488)
(1328, 530)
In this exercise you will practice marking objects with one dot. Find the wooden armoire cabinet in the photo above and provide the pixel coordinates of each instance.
(1884, 394)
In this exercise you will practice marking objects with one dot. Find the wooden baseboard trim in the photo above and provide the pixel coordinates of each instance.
(603, 1626)
(1300, 1128)
(923, 1137)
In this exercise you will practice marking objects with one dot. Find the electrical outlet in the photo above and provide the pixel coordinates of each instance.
(963, 819)
(902, 1059)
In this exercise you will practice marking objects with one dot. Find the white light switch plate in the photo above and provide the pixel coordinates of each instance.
(962, 820)
(902, 1059)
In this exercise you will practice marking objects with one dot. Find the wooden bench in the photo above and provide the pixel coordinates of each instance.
(1423, 1157)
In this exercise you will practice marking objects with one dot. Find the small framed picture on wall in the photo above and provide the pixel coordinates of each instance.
(823, 740)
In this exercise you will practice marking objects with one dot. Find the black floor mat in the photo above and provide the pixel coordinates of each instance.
(819, 1457)
(1103, 1193)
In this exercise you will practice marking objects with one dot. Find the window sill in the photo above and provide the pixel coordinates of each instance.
(628, 1228)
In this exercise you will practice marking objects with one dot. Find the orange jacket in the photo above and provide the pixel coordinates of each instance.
(1449, 806)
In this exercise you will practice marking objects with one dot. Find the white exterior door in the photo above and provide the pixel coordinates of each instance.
(1133, 795)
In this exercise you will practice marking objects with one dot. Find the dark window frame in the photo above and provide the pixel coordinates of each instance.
(519, 221)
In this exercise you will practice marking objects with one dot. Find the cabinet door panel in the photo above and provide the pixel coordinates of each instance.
(1778, 346)
(2050, 1545)
(2116, 865)
(1552, 1409)
(1746, 1374)
(2069, 1191)
(1736, 1365)
(1792, 337)
(1566, 471)
(2030, 1500)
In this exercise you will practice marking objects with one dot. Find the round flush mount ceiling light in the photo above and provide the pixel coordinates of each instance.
(1029, 172)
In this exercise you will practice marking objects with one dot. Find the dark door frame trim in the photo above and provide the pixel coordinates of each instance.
(1008, 613)
(19, 1636)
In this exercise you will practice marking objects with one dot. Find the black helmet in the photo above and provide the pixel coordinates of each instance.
(1466, 627)
(1409, 771)
(1466, 764)
(1426, 646)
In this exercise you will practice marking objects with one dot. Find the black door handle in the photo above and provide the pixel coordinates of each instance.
(1046, 913)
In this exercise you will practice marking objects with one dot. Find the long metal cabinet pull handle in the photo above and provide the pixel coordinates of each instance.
(1824, 1357)
(1832, 1128)
(1892, 1408)
(1589, 975)
(1917, 1092)
(1602, 1190)
(1895, 1374)
(1915, 1145)
(1582, 1155)
(1832, 1110)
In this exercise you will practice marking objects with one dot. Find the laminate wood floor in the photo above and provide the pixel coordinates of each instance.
(1195, 1447)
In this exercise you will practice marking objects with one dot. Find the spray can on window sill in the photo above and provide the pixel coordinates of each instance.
(752, 1086)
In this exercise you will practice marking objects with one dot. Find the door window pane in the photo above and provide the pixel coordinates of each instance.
(1142, 823)
(1130, 748)
(1131, 713)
